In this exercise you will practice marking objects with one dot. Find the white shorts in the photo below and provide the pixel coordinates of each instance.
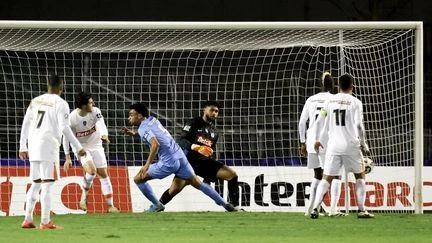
(43, 170)
(315, 160)
(352, 163)
(97, 156)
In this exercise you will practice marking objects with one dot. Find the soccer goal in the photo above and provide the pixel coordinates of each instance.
(260, 72)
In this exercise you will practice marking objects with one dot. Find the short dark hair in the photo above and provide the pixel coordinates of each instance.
(140, 108)
(211, 103)
(327, 82)
(345, 82)
(54, 81)
(82, 98)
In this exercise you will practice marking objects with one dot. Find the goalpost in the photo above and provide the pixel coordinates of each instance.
(261, 73)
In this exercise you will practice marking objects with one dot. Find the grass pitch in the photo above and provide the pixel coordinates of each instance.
(222, 227)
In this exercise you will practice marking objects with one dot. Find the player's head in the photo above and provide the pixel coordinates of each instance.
(84, 101)
(137, 113)
(346, 83)
(327, 82)
(55, 84)
(210, 110)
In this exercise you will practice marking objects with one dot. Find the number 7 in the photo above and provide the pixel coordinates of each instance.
(40, 117)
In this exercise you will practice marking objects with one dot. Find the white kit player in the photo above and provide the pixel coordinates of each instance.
(315, 160)
(45, 121)
(343, 124)
(89, 127)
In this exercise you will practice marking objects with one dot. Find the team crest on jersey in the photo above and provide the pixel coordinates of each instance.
(85, 123)
(186, 128)
(212, 134)
(98, 115)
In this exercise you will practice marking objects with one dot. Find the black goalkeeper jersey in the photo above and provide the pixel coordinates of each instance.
(197, 131)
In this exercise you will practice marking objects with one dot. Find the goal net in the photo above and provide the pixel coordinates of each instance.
(261, 73)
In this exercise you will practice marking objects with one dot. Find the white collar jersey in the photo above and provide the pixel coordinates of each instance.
(89, 128)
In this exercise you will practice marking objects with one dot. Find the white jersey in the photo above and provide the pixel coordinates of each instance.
(344, 125)
(311, 111)
(89, 128)
(45, 119)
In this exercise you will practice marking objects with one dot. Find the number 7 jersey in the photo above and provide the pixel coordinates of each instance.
(48, 115)
(344, 124)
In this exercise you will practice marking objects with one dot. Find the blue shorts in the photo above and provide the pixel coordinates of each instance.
(180, 168)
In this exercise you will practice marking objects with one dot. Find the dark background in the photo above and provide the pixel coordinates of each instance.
(251, 10)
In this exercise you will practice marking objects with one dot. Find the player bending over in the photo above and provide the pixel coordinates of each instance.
(89, 127)
(171, 159)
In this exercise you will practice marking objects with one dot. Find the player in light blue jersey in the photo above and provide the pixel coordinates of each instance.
(171, 159)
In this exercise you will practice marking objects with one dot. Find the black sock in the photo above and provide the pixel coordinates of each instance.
(233, 191)
(166, 197)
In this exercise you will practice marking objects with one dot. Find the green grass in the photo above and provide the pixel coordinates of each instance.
(222, 227)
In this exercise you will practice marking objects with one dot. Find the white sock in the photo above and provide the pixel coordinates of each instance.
(107, 190)
(321, 191)
(312, 194)
(31, 198)
(45, 200)
(335, 194)
(87, 182)
(360, 193)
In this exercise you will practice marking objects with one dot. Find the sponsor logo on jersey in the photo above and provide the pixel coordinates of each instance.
(86, 133)
(205, 141)
(85, 123)
(98, 115)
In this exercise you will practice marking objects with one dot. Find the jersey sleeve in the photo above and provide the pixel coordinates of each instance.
(63, 115)
(302, 122)
(146, 134)
(358, 119)
(25, 130)
(100, 122)
(187, 135)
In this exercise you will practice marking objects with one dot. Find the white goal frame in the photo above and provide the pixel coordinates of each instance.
(417, 26)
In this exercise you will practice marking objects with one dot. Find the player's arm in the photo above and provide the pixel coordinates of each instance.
(302, 129)
(321, 124)
(23, 150)
(187, 135)
(100, 124)
(358, 119)
(154, 148)
(129, 132)
(64, 125)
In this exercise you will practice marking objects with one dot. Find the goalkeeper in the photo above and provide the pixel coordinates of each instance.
(198, 140)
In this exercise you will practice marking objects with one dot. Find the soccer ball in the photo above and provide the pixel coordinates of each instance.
(369, 165)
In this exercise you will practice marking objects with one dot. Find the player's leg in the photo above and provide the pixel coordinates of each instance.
(48, 178)
(101, 165)
(228, 174)
(354, 163)
(89, 175)
(185, 171)
(335, 190)
(176, 187)
(32, 195)
(331, 168)
(313, 163)
(156, 171)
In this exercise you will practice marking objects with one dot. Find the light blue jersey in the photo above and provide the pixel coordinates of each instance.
(169, 150)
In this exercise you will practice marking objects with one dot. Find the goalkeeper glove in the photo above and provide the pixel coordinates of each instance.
(202, 149)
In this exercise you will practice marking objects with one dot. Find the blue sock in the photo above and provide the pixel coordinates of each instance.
(146, 189)
(209, 191)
